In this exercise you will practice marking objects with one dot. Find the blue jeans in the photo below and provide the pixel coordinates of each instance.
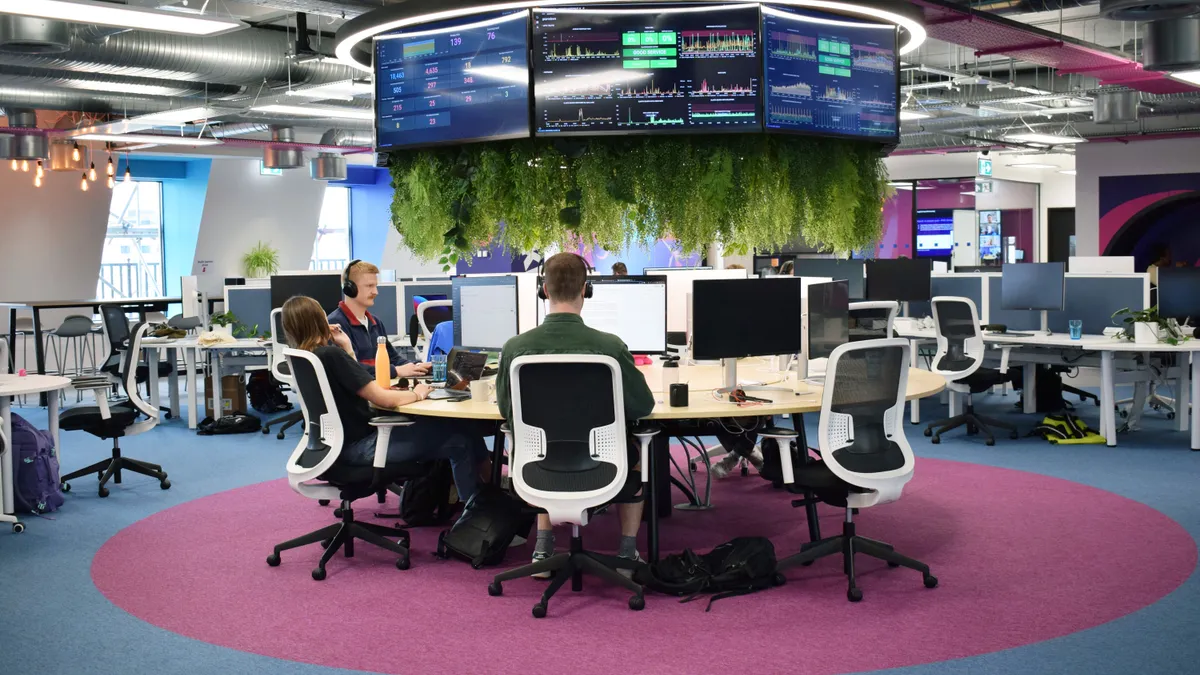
(426, 441)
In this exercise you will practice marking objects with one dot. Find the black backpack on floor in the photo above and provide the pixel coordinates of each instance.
(740, 566)
(428, 500)
(487, 526)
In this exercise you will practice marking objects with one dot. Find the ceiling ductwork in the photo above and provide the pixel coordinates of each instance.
(27, 35)
(1116, 107)
(343, 137)
(87, 102)
(22, 146)
(1148, 10)
(62, 156)
(1171, 45)
(277, 157)
(327, 166)
(37, 78)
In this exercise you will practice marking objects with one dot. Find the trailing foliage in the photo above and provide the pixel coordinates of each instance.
(743, 190)
(260, 261)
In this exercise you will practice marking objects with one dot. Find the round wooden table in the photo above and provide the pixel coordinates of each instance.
(12, 386)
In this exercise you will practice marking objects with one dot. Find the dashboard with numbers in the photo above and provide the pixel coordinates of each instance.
(453, 82)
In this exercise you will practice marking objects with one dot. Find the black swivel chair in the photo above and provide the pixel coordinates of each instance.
(115, 420)
(959, 359)
(116, 328)
(315, 472)
(865, 458)
(569, 457)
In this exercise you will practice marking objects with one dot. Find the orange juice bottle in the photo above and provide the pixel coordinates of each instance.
(383, 369)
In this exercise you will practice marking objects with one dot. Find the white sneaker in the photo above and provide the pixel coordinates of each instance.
(538, 556)
(756, 458)
(722, 468)
(628, 574)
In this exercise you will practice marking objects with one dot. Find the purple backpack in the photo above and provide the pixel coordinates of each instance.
(37, 485)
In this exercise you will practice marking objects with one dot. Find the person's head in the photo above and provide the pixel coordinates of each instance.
(620, 270)
(305, 323)
(365, 277)
(564, 277)
(787, 269)
(735, 266)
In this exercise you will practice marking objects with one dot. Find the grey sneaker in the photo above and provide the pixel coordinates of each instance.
(756, 458)
(628, 574)
(722, 468)
(538, 556)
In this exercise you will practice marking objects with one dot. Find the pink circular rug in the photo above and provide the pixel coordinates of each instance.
(1021, 558)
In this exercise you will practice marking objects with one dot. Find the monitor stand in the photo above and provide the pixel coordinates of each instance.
(731, 380)
(1046, 322)
(904, 309)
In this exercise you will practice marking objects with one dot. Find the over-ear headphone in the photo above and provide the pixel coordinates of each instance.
(349, 288)
(587, 285)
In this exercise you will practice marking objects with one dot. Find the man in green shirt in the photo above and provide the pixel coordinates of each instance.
(563, 332)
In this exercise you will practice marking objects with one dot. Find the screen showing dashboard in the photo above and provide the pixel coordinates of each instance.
(453, 82)
(661, 70)
(829, 74)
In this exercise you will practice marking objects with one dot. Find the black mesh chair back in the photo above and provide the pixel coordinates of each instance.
(871, 320)
(960, 339)
(864, 401)
(320, 415)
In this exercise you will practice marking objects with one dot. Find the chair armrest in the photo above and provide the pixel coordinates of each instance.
(1005, 351)
(392, 421)
(645, 434)
(102, 403)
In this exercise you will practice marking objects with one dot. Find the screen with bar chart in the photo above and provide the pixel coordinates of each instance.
(829, 74)
(662, 70)
(453, 82)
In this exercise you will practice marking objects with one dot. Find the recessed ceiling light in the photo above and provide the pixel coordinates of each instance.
(345, 90)
(1032, 165)
(317, 111)
(1045, 139)
(906, 115)
(153, 139)
(121, 16)
(175, 117)
(1067, 172)
(972, 193)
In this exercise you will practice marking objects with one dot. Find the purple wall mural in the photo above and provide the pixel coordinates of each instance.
(1140, 213)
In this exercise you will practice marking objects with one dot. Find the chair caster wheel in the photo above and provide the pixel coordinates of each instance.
(692, 467)
(103, 492)
(637, 603)
(318, 574)
(930, 581)
(990, 442)
(892, 564)
(273, 560)
(1171, 416)
(495, 589)
(326, 542)
(778, 579)
(18, 528)
(936, 439)
(1014, 435)
(65, 487)
(928, 432)
(266, 430)
(403, 563)
(539, 610)
(854, 595)
(279, 435)
(323, 502)
(165, 484)
(337, 513)
(1097, 403)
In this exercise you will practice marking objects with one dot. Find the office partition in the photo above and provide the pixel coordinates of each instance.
(251, 305)
(386, 309)
(1093, 298)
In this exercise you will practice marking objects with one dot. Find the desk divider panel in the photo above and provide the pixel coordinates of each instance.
(385, 309)
(251, 305)
(956, 285)
(1014, 319)
(1093, 298)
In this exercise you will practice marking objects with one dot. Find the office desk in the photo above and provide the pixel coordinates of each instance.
(35, 307)
(1108, 349)
(12, 386)
(702, 405)
(192, 353)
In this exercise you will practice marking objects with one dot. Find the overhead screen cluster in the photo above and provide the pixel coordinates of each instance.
(658, 70)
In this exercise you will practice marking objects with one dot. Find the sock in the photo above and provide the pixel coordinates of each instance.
(628, 548)
(545, 542)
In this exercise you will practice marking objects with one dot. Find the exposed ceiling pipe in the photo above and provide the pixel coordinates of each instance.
(22, 76)
(347, 137)
(94, 34)
(342, 9)
(89, 102)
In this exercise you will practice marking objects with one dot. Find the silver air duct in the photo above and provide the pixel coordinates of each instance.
(1116, 107)
(282, 158)
(27, 35)
(1147, 10)
(22, 146)
(1171, 45)
(38, 78)
(327, 166)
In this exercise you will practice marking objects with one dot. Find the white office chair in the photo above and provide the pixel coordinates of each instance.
(569, 455)
(314, 472)
(865, 458)
(278, 365)
(868, 320)
(959, 360)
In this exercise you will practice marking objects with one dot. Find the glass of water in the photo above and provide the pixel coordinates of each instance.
(439, 367)
(1076, 326)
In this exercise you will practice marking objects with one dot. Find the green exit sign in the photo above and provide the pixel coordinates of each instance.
(263, 170)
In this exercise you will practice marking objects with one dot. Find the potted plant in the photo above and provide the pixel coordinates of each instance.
(222, 322)
(1145, 326)
(260, 261)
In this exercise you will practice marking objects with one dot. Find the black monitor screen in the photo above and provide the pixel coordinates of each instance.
(901, 280)
(326, 289)
(1033, 286)
(830, 74)
(660, 70)
(724, 310)
(1179, 294)
(850, 270)
(828, 318)
(453, 81)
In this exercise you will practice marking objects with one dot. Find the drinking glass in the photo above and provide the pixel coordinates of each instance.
(439, 367)
(1076, 326)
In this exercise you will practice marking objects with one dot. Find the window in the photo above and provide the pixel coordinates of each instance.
(132, 262)
(331, 250)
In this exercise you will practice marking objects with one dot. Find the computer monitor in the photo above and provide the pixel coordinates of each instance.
(485, 311)
(828, 318)
(733, 318)
(1033, 286)
(634, 308)
(650, 271)
(901, 280)
(1179, 294)
(326, 289)
(850, 270)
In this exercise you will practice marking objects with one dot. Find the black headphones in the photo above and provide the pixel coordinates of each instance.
(587, 285)
(349, 288)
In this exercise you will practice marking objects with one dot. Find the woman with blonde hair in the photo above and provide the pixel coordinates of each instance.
(354, 390)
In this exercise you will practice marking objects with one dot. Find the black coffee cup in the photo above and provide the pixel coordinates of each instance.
(679, 395)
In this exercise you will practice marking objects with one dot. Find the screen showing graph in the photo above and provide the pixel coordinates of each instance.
(829, 74)
(659, 70)
(453, 82)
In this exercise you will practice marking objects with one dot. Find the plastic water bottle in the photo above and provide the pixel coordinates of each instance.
(383, 368)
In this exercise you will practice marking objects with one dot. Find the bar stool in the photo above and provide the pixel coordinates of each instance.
(71, 335)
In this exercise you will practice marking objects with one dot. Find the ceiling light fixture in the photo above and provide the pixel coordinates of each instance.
(37, 181)
(1044, 139)
(345, 90)
(317, 111)
(123, 88)
(15, 165)
(40, 171)
(83, 183)
(25, 165)
(154, 139)
(344, 49)
(111, 170)
(908, 115)
(128, 174)
(170, 118)
(1032, 165)
(75, 153)
(110, 182)
(1067, 172)
(121, 16)
(92, 172)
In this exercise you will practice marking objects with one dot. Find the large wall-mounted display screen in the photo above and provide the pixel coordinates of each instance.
(661, 70)
(453, 82)
(829, 74)
(935, 233)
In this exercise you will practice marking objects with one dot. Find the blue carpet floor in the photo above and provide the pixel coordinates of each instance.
(53, 620)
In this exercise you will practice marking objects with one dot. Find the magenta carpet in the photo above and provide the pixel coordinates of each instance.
(1021, 558)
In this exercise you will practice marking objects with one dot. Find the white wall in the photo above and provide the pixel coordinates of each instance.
(242, 208)
(1176, 155)
(397, 256)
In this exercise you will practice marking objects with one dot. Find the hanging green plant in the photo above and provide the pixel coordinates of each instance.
(260, 261)
(743, 190)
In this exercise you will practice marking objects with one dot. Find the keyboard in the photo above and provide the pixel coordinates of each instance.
(448, 395)
(1014, 334)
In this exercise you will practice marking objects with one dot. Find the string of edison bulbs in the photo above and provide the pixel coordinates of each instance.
(89, 176)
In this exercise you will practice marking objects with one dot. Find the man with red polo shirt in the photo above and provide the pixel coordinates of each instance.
(360, 287)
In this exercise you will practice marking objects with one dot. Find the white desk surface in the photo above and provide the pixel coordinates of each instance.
(193, 343)
(1093, 343)
(15, 385)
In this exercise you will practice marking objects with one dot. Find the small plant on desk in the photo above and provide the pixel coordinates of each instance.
(1168, 330)
(221, 319)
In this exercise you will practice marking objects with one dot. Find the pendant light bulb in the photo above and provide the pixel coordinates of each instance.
(75, 153)
(128, 174)
(92, 172)
(15, 165)
(37, 181)
(25, 165)
(40, 171)
(83, 183)
(110, 182)
(112, 170)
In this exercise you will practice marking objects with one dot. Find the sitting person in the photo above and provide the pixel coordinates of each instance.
(360, 286)
(563, 332)
(354, 390)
